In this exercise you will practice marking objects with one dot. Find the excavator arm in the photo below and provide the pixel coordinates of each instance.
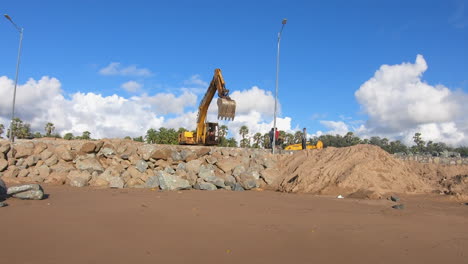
(226, 106)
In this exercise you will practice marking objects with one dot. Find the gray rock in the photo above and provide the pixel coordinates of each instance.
(152, 182)
(206, 173)
(31, 160)
(171, 182)
(211, 160)
(116, 182)
(22, 188)
(270, 175)
(399, 206)
(181, 166)
(27, 192)
(51, 161)
(124, 156)
(230, 181)
(30, 195)
(238, 187)
(142, 165)
(169, 170)
(176, 156)
(3, 189)
(205, 186)
(78, 182)
(46, 154)
(3, 204)
(89, 164)
(108, 152)
(238, 170)
(394, 198)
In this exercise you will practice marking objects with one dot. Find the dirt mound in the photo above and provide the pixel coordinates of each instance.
(361, 170)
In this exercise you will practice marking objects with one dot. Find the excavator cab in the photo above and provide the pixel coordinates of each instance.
(211, 133)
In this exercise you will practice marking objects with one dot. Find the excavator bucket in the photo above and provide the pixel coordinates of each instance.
(226, 109)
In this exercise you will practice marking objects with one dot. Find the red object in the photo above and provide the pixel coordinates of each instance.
(276, 134)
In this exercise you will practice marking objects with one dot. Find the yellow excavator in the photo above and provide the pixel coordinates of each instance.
(319, 145)
(207, 132)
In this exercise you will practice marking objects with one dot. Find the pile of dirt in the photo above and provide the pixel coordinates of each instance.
(359, 171)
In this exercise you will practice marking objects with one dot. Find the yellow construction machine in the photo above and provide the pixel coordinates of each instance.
(207, 132)
(319, 145)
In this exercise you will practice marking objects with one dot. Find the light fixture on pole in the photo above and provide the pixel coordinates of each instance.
(20, 30)
(276, 89)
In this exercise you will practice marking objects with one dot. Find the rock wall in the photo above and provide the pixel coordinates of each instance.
(433, 160)
(118, 163)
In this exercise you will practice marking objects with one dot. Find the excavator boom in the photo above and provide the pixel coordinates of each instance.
(206, 131)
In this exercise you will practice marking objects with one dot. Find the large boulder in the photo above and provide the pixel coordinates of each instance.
(51, 161)
(27, 191)
(31, 160)
(90, 164)
(162, 153)
(116, 182)
(64, 152)
(39, 148)
(24, 149)
(270, 175)
(141, 165)
(3, 164)
(228, 164)
(5, 148)
(152, 182)
(79, 178)
(247, 180)
(145, 151)
(193, 166)
(88, 147)
(172, 182)
(46, 154)
(200, 185)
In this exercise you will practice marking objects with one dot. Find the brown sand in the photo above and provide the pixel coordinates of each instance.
(361, 169)
(85, 225)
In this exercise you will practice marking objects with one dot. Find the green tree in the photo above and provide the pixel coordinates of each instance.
(257, 140)
(420, 144)
(128, 138)
(266, 141)
(68, 136)
(86, 135)
(297, 137)
(289, 139)
(243, 131)
(232, 143)
(20, 129)
(151, 136)
(138, 139)
(37, 135)
(49, 128)
(2, 129)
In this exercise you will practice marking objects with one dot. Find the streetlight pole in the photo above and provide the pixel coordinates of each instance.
(276, 89)
(20, 30)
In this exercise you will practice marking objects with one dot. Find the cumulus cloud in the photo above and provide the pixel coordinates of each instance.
(196, 81)
(399, 103)
(116, 68)
(42, 101)
(131, 86)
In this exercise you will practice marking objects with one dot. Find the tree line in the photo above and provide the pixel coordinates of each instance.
(258, 140)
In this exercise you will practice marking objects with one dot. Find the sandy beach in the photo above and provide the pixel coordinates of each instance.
(87, 225)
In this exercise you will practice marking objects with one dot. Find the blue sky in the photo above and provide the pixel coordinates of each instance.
(329, 49)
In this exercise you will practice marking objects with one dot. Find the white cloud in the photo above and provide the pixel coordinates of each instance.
(196, 81)
(131, 86)
(335, 127)
(39, 102)
(399, 103)
(42, 101)
(115, 68)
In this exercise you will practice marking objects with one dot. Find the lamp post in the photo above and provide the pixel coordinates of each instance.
(276, 89)
(20, 30)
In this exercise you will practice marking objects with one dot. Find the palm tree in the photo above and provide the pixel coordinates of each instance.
(243, 131)
(297, 137)
(257, 140)
(222, 131)
(151, 136)
(49, 128)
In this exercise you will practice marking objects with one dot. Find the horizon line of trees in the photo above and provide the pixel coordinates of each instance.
(164, 135)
